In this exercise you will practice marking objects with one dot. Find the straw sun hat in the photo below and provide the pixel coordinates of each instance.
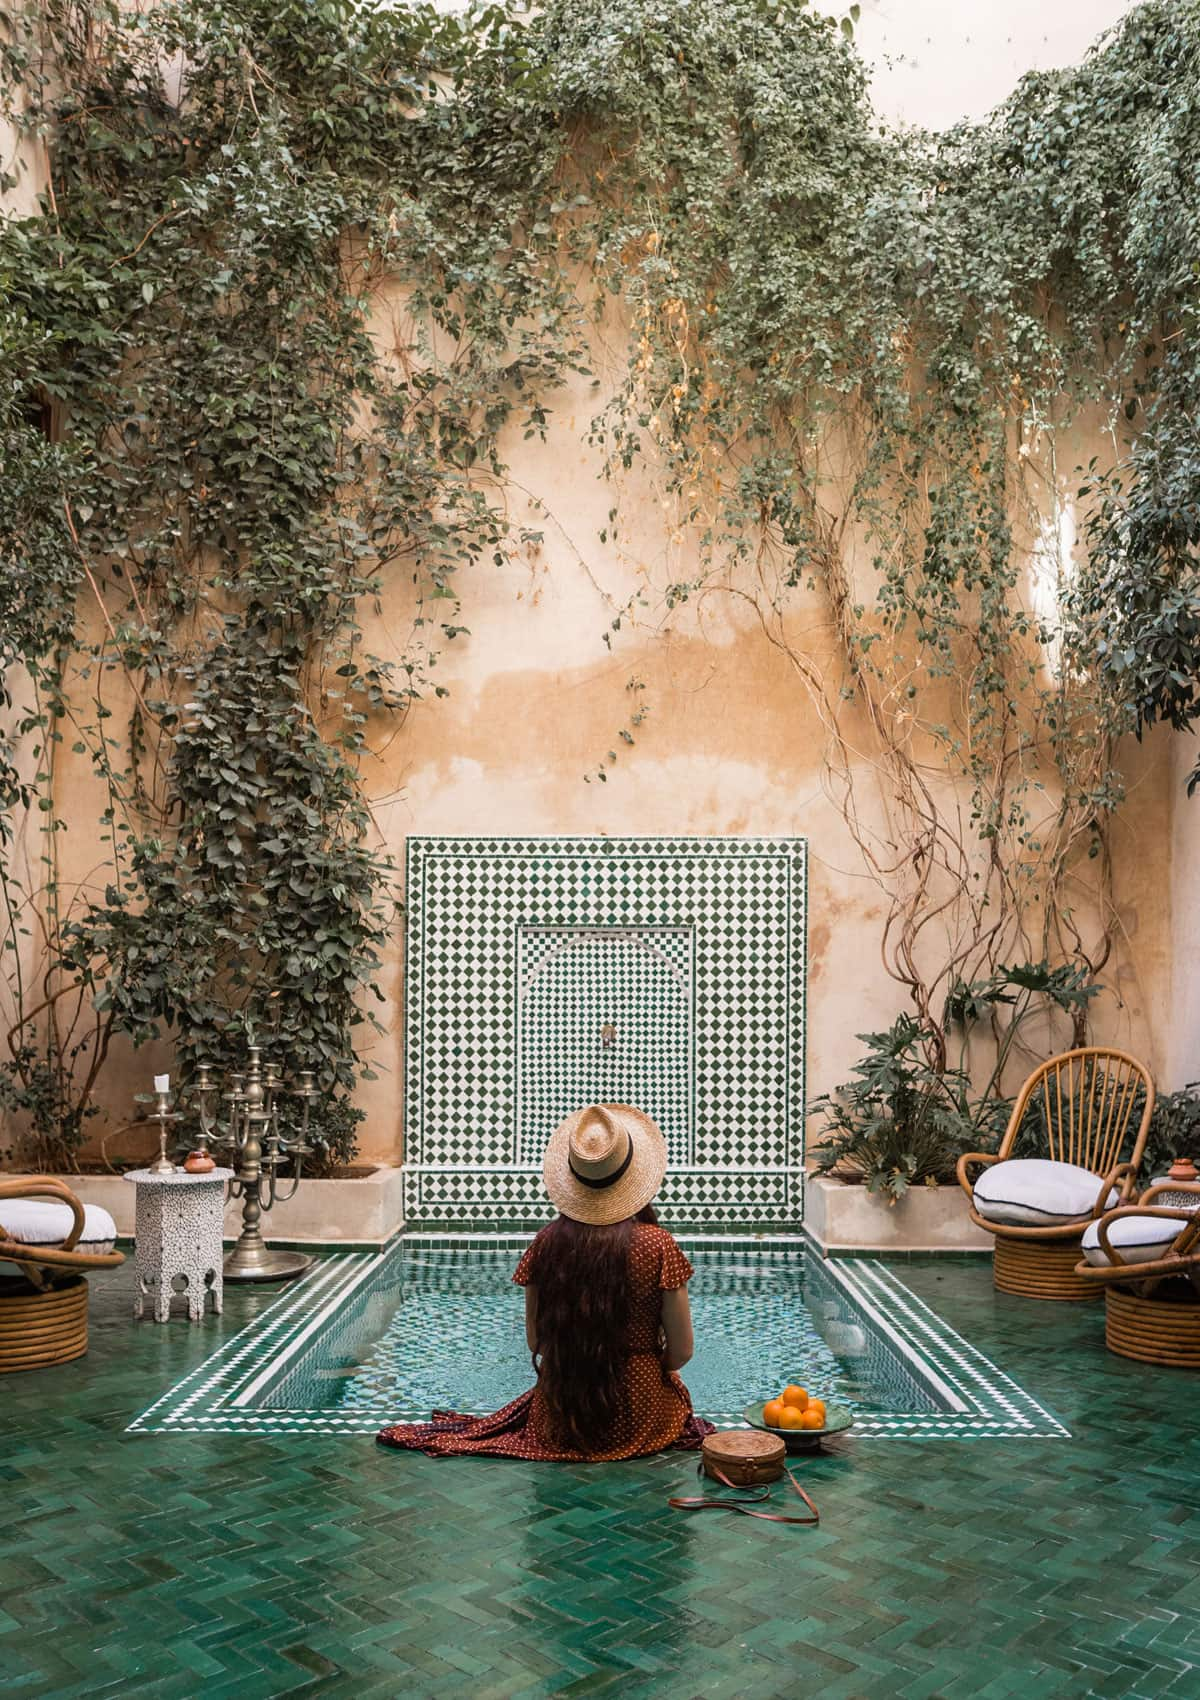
(604, 1163)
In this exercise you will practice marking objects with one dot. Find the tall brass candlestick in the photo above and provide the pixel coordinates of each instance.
(164, 1115)
(251, 1137)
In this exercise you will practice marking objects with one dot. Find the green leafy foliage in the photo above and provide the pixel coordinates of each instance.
(907, 1118)
(1174, 1130)
(1008, 999)
(258, 917)
(898, 1123)
(301, 267)
(49, 1061)
(1137, 609)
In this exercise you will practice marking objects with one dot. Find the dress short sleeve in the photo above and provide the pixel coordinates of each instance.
(675, 1270)
(523, 1273)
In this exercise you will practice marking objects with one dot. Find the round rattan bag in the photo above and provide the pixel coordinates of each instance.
(745, 1457)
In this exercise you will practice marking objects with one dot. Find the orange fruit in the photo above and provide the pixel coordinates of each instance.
(791, 1417)
(817, 1405)
(795, 1396)
(812, 1419)
(773, 1411)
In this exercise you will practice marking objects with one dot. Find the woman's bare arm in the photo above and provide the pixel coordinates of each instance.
(677, 1326)
(531, 1318)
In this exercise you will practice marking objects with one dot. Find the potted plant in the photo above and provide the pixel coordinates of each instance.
(894, 1132)
(898, 1123)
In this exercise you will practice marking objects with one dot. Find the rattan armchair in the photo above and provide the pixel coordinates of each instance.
(43, 1302)
(1086, 1099)
(1145, 1258)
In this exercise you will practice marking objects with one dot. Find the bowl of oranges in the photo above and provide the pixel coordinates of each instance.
(799, 1418)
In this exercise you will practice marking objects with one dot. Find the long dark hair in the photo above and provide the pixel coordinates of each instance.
(582, 1282)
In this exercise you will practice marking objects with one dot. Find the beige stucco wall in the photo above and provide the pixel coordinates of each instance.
(25, 160)
(731, 743)
(1181, 1024)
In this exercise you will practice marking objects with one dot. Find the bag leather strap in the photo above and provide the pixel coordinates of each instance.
(743, 1503)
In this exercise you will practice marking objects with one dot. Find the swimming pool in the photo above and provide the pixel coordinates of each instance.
(435, 1322)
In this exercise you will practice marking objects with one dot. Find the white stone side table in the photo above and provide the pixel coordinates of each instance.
(178, 1233)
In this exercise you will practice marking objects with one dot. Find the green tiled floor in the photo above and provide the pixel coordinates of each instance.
(214, 1566)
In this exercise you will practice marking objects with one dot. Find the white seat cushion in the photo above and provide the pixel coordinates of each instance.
(1139, 1239)
(44, 1221)
(1033, 1192)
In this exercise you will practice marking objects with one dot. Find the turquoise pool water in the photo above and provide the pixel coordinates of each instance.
(442, 1327)
(434, 1322)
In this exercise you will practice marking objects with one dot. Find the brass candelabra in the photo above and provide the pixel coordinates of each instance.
(250, 1136)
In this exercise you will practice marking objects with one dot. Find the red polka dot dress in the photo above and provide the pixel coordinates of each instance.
(658, 1412)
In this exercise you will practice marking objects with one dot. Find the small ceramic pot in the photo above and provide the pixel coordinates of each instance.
(198, 1162)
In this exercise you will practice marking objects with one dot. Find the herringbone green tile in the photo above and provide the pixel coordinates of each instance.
(241, 1568)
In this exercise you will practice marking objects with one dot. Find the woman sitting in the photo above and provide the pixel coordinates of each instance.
(606, 1312)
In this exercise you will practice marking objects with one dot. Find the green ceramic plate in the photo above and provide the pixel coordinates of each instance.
(837, 1419)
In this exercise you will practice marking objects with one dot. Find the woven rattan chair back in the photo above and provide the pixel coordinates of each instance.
(1088, 1102)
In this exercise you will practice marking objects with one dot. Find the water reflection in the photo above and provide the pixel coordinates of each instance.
(442, 1328)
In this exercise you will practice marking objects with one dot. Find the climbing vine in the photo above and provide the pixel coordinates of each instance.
(856, 358)
(298, 273)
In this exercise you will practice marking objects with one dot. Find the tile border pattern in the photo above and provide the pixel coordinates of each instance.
(219, 1396)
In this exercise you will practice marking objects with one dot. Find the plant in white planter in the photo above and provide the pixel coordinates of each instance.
(906, 1119)
(899, 1122)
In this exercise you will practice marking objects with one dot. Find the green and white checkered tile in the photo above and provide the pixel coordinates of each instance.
(548, 973)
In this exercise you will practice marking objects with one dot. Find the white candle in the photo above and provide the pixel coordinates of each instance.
(162, 1082)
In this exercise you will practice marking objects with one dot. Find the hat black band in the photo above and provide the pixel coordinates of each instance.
(605, 1180)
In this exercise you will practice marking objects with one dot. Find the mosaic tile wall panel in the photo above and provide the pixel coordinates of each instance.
(546, 973)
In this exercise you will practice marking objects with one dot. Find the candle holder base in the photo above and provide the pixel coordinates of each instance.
(258, 1263)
